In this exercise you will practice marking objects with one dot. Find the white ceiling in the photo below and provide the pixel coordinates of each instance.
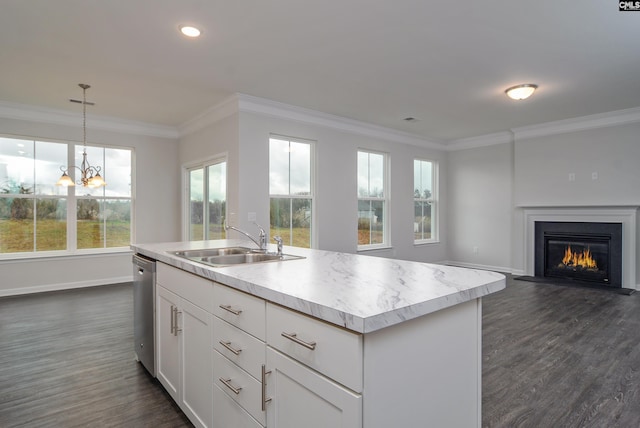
(444, 63)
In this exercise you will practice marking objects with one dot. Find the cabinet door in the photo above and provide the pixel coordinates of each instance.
(197, 363)
(301, 397)
(168, 370)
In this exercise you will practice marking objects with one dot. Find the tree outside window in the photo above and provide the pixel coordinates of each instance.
(372, 200)
(207, 200)
(36, 215)
(424, 201)
(291, 191)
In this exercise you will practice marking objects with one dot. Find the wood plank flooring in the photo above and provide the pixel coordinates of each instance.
(553, 356)
(66, 360)
(558, 356)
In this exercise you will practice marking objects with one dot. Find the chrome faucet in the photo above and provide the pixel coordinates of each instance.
(278, 240)
(261, 242)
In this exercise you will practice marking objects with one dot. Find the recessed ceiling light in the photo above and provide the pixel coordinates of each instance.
(521, 92)
(190, 31)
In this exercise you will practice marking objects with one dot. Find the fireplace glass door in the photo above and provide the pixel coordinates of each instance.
(578, 257)
(583, 251)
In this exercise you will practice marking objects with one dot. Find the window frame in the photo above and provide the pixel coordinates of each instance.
(186, 214)
(71, 198)
(385, 199)
(432, 200)
(312, 186)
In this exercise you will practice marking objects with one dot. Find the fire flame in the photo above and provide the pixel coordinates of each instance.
(579, 259)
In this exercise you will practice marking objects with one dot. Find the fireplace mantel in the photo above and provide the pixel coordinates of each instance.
(626, 215)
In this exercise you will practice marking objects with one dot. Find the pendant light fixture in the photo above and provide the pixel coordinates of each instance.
(89, 175)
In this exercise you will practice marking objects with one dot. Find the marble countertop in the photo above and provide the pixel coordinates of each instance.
(360, 293)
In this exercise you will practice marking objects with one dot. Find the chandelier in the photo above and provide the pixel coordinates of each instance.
(89, 175)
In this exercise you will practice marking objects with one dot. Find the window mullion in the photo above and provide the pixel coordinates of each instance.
(72, 204)
(205, 202)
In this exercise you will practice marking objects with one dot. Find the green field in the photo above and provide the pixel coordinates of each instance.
(300, 236)
(51, 235)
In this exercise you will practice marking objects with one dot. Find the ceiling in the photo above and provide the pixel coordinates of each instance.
(446, 64)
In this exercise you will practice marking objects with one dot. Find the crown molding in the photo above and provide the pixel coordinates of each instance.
(213, 114)
(251, 104)
(481, 141)
(601, 120)
(104, 123)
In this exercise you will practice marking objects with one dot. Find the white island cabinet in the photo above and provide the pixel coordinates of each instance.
(184, 341)
(424, 372)
(331, 340)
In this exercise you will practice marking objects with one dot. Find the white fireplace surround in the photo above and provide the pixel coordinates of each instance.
(625, 215)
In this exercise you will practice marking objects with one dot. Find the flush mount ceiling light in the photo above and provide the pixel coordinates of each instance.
(190, 31)
(89, 175)
(521, 92)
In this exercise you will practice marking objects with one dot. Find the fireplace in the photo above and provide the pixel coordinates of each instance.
(581, 251)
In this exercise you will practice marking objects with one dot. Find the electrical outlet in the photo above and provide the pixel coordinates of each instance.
(572, 176)
(594, 175)
(251, 217)
(475, 250)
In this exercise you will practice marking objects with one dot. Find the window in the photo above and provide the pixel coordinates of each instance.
(37, 216)
(207, 182)
(424, 201)
(291, 190)
(373, 197)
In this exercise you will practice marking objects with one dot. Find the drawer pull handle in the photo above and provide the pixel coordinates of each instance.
(173, 320)
(228, 308)
(294, 337)
(227, 383)
(265, 400)
(230, 348)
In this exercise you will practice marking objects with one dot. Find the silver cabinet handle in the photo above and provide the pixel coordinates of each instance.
(175, 320)
(230, 348)
(293, 337)
(172, 321)
(227, 383)
(228, 308)
(265, 400)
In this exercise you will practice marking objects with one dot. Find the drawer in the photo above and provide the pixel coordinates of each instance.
(248, 392)
(229, 413)
(249, 351)
(240, 309)
(338, 353)
(193, 288)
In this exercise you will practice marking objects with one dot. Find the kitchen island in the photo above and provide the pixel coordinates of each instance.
(331, 339)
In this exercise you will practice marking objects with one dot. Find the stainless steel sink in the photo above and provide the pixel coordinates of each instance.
(212, 252)
(232, 256)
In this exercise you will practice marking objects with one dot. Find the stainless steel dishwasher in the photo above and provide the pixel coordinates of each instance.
(144, 309)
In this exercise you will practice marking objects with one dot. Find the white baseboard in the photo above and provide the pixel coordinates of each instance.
(502, 269)
(63, 286)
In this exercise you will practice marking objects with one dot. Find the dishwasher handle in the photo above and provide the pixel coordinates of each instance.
(143, 263)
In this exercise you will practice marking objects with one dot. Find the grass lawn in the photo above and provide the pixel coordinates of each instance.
(17, 235)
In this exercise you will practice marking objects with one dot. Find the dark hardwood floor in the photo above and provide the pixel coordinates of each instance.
(66, 360)
(553, 356)
(559, 356)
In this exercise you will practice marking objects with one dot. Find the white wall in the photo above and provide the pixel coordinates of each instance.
(336, 193)
(156, 212)
(543, 165)
(536, 170)
(217, 139)
(480, 207)
(244, 137)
